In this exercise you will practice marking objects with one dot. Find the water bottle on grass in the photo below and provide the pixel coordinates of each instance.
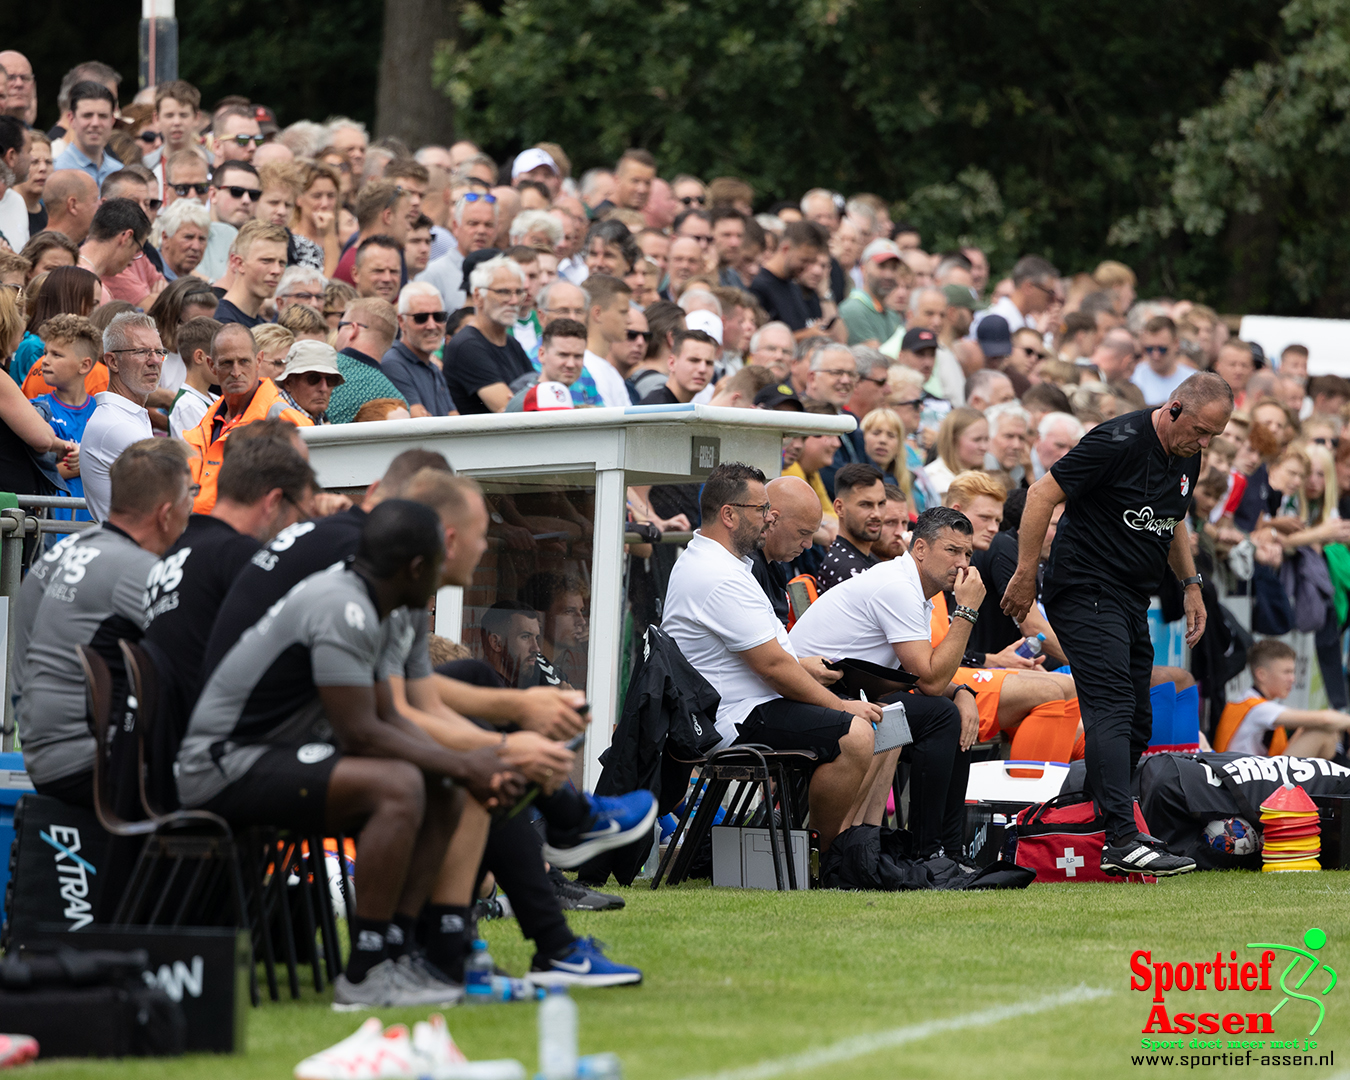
(558, 1036)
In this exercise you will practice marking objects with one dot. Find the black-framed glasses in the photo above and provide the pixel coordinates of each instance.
(422, 316)
(252, 194)
(877, 382)
(633, 335)
(184, 190)
(764, 508)
(479, 196)
(838, 373)
(244, 140)
(145, 353)
(693, 200)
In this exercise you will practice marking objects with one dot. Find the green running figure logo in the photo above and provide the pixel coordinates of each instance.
(1314, 939)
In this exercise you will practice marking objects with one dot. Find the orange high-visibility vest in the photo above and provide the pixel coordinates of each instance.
(1231, 719)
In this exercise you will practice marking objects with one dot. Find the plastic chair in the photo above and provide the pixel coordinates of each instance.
(734, 776)
(187, 854)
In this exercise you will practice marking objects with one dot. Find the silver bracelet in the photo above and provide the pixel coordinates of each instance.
(968, 613)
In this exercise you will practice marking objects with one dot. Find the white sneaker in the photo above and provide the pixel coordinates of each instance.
(439, 1058)
(372, 1053)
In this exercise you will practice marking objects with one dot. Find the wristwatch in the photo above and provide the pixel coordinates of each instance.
(1194, 579)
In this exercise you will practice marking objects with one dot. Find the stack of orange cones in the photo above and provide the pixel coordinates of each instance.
(1292, 832)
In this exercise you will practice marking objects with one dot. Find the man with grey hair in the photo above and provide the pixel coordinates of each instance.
(537, 229)
(1115, 356)
(134, 356)
(562, 300)
(987, 388)
(773, 346)
(473, 223)
(350, 137)
(1057, 434)
(1009, 428)
(421, 331)
(832, 375)
(301, 285)
(483, 359)
(184, 229)
(870, 390)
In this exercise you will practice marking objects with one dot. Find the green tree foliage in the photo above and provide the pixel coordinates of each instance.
(1025, 125)
(1260, 174)
(305, 60)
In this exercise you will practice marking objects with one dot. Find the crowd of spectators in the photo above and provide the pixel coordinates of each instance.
(188, 271)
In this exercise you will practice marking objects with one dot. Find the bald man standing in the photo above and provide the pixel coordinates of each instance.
(793, 521)
(72, 198)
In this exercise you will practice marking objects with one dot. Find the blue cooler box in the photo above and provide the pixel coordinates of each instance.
(14, 783)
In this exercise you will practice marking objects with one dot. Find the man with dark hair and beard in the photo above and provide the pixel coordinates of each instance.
(726, 628)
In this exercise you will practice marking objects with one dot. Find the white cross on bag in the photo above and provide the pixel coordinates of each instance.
(1070, 863)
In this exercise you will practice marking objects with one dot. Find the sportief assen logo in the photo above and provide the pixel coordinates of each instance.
(1257, 975)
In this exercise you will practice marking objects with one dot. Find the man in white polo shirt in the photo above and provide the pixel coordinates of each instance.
(882, 615)
(726, 628)
(134, 355)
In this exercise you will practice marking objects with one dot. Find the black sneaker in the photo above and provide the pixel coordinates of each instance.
(574, 896)
(1143, 855)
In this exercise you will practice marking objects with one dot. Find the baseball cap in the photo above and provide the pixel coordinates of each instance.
(778, 395)
(960, 296)
(705, 321)
(546, 397)
(532, 159)
(310, 356)
(881, 251)
(918, 339)
(471, 263)
(267, 119)
(994, 336)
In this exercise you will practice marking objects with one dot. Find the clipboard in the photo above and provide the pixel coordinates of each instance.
(864, 677)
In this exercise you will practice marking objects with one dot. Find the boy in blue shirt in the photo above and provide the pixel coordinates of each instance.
(73, 346)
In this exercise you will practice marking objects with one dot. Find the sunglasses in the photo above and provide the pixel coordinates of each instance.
(475, 196)
(252, 194)
(693, 200)
(1156, 350)
(184, 190)
(149, 137)
(915, 403)
(422, 316)
(314, 378)
(633, 335)
(244, 140)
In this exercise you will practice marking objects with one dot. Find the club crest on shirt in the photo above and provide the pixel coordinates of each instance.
(1185, 485)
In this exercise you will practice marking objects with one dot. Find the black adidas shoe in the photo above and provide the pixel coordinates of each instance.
(1143, 855)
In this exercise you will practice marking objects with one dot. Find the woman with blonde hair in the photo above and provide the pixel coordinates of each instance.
(962, 442)
(884, 444)
(315, 215)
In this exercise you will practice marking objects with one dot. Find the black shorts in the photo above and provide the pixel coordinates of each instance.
(287, 787)
(793, 725)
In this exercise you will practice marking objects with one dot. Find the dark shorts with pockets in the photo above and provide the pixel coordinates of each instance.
(287, 788)
(793, 725)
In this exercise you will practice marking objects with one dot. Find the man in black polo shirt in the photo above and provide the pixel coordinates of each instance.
(1128, 487)
(859, 498)
(483, 359)
(264, 486)
(776, 287)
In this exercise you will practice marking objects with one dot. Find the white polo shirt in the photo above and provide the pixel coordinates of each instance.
(714, 610)
(608, 382)
(115, 424)
(861, 618)
(1250, 734)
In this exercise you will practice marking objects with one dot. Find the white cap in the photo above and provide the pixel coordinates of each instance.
(532, 159)
(705, 321)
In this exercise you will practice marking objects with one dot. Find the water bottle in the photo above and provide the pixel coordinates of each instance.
(478, 972)
(558, 1036)
(599, 1067)
(1031, 647)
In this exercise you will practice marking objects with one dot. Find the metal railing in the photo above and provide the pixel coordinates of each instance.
(16, 527)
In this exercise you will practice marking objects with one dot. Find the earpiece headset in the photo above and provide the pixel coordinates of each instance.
(1176, 412)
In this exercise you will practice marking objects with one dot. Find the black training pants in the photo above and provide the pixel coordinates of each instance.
(1104, 636)
(515, 856)
(938, 772)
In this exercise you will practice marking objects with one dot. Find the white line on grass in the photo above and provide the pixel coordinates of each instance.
(862, 1045)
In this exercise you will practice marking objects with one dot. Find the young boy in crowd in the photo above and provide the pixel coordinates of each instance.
(73, 346)
(195, 398)
(1255, 722)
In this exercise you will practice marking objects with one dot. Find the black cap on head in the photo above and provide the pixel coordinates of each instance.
(918, 339)
(994, 336)
(779, 396)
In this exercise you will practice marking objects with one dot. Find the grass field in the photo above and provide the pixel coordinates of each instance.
(739, 978)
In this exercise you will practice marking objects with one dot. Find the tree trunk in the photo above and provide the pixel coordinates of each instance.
(408, 105)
